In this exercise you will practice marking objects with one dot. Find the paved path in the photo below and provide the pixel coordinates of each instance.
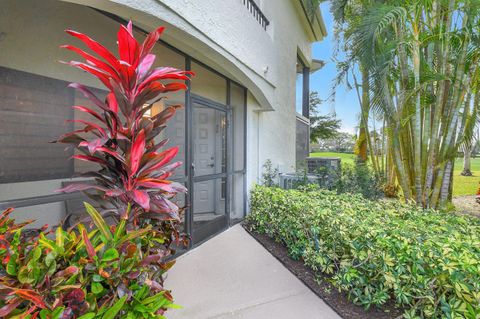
(232, 276)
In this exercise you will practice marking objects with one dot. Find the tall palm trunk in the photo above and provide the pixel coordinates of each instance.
(418, 116)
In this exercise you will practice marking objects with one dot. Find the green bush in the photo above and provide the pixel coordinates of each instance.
(351, 178)
(427, 262)
(359, 178)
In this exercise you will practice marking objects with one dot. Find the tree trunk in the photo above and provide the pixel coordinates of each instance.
(446, 184)
(467, 154)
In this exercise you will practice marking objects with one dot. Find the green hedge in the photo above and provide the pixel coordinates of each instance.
(427, 262)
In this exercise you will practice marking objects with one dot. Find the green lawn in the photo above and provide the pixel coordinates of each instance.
(346, 158)
(466, 185)
(462, 185)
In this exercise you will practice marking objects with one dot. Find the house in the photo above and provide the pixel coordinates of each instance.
(252, 60)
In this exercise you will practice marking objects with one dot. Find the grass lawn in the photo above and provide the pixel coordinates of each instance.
(462, 185)
(346, 158)
(466, 185)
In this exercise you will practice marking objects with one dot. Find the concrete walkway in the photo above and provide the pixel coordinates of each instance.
(232, 276)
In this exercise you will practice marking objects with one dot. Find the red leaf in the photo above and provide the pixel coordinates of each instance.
(78, 187)
(95, 47)
(165, 171)
(77, 295)
(32, 296)
(93, 125)
(5, 310)
(142, 199)
(170, 87)
(71, 270)
(165, 115)
(164, 73)
(150, 41)
(89, 95)
(93, 60)
(112, 102)
(160, 160)
(164, 185)
(72, 137)
(138, 148)
(100, 74)
(163, 205)
(89, 111)
(127, 74)
(94, 144)
(88, 158)
(88, 245)
(145, 65)
(160, 144)
(128, 49)
(114, 192)
(112, 153)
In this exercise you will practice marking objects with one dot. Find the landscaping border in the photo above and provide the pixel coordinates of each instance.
(338, 301)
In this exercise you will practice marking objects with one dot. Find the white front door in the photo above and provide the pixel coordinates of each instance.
(209, 159)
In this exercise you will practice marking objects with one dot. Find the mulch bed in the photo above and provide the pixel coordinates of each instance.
(319, 284)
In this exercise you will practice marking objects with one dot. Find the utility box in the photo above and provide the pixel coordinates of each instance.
(323, 171)
(317, 165)
(292, 180)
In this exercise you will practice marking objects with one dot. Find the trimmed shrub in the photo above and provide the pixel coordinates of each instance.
(427, 262)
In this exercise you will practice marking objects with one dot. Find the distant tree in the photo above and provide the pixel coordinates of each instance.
(342, 142)
(321, 126)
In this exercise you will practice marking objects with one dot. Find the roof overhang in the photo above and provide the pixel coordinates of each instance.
(312, 19)
(316, 65)
(148, 14)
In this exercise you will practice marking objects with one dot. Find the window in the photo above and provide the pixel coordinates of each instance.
(302, 89)
(33, 111)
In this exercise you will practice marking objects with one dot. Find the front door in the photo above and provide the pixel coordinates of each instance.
(209, 167)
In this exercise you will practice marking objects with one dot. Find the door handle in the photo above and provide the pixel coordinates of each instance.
(211, 165)
(193, 168)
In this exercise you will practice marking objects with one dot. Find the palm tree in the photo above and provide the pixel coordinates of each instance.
(418, 60)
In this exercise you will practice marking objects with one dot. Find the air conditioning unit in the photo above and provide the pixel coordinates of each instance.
(292, 180)
(321, 165)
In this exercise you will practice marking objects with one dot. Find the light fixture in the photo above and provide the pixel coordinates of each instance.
(148, 113)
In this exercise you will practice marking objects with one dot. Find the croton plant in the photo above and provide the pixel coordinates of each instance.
(109, 267)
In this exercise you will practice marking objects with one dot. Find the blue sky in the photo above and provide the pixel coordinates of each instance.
(346, 103)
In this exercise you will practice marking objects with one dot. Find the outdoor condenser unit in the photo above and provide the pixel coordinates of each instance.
(315, 165)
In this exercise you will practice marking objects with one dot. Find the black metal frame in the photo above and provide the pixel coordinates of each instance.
(306, 92)
(189, 179)
(305, 88)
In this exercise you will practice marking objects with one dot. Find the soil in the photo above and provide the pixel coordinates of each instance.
(467, 205)
(319, 284)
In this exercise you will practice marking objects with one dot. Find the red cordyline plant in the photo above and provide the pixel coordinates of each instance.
(115, 270)
(134, 167)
